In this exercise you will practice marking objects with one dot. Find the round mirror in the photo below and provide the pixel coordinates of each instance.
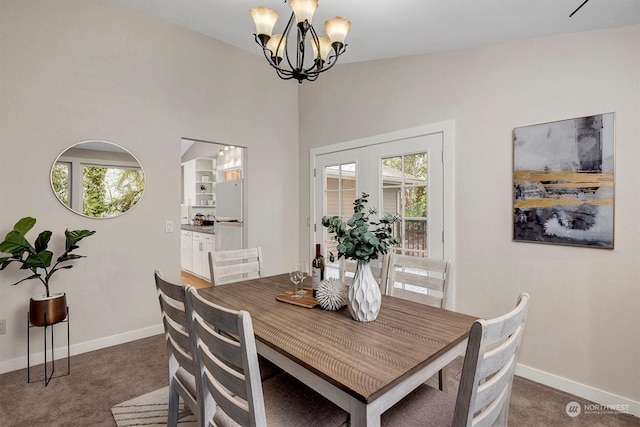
(97, 179)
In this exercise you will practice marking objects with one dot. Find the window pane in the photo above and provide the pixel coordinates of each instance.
(415, 202)
(392, 171)
(348, 175)
(391, 200)
(404, 193)
(415, 169)
(415, 237)
(348, 197)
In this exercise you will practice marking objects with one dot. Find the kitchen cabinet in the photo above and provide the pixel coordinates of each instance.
(186, 250)
(203, 243)
(198, 179)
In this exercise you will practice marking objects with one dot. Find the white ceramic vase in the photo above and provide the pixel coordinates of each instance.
(364, 294)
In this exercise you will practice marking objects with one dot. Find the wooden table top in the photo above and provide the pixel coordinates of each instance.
(363, 359)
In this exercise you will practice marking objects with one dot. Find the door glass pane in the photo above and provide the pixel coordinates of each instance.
(404, 193)
(339, 195)
(415, 237)
(415, 202)
(415, 169)
(391, 171)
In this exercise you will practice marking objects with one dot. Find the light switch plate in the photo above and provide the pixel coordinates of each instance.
(168, 227)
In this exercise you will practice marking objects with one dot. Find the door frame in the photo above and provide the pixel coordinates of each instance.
(447, 129)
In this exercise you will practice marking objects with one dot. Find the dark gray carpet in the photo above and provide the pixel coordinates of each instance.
(102, 379)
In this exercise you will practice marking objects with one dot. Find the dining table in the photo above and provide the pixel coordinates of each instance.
(362, 367)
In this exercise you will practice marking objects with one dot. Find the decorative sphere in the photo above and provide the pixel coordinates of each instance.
(331, 294)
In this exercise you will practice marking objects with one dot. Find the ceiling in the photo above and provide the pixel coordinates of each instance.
(391, 28)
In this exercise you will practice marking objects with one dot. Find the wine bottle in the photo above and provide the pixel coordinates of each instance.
(318, 269)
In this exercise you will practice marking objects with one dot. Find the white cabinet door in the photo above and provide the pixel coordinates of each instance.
(202, 244)
(186, 250)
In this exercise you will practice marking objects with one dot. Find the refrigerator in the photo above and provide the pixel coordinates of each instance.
(229, 225)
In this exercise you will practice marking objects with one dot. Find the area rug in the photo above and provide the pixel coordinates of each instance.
(150, 409)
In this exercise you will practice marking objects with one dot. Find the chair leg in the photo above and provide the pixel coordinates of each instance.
(443, 379)
(174, 402)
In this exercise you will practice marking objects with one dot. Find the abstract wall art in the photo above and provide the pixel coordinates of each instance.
(563, 182)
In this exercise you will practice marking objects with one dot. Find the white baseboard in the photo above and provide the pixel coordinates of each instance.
(598, 396)
(84, 347)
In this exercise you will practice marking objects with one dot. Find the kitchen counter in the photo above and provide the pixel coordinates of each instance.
(208, 229)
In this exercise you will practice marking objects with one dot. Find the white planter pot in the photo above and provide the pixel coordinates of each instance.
(364, 294)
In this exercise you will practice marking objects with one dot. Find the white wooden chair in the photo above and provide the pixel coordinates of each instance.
(422, 280)
(182, 367)
(235, 265)
(230, 375)
(485, 383)
(379, 269)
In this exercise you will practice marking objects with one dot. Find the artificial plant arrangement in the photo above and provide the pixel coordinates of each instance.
(37, 258)
(362, 238)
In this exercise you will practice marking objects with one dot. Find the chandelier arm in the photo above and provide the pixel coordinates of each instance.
(334, 57)
(314, 40)
(285, 36)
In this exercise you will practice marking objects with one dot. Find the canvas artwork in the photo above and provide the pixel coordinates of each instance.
(563, 182)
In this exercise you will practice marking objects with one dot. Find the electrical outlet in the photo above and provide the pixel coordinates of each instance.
(3, 326)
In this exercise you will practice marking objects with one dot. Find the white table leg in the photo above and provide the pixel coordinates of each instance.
(363, 415)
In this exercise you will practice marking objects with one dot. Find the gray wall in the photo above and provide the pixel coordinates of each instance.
(584, 323)
(74, 70)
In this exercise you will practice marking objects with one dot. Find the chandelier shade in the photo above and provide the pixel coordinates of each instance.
(288, 52)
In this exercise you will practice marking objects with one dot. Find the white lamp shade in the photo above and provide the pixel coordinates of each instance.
(303, 9)
(325, 48)
(264, 19)
(272, 45)
(337, 29)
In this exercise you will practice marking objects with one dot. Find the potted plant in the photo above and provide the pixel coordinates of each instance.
(37, 259)
(363, 239)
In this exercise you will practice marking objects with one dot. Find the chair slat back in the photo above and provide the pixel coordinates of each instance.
(489, 367)
(420, 279)
(176, 327)
(379, 269)
(229, 367)
(235, 265)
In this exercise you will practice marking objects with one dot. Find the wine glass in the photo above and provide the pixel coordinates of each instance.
(296, 276)
(304, 269)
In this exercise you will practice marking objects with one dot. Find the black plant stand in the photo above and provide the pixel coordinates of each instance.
(47, 378)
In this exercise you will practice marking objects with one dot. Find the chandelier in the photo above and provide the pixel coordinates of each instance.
(326, 49)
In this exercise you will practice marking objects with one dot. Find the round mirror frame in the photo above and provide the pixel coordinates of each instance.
(120, 149)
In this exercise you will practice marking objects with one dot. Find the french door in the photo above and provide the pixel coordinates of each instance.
(403, 177)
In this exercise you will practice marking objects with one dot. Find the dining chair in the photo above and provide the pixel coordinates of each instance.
(485, 383)
(182, 367)
(422, 280)
(226, 354)
(379, 269)
(235, 265)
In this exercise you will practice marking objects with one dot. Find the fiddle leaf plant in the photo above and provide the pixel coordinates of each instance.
(37, 258)
(362, 238)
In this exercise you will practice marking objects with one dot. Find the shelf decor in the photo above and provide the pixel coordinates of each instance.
(363, 239)
(563, 182)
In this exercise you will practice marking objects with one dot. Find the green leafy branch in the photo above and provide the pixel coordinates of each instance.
(361, 238)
